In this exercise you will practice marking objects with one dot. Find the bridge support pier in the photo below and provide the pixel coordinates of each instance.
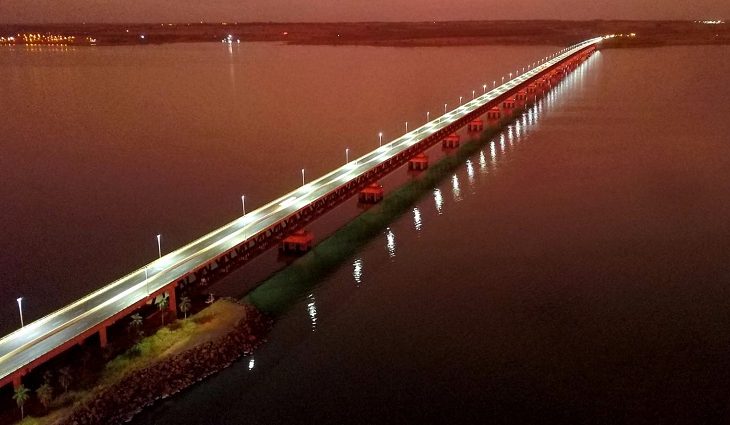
(451, 141)
(102, 336)
(418, 162)
(297, 243)
(493, 115)
(521, 98)
(17, 381)
(172, 304)
(508, 106)
(475, 126)
(372, 194)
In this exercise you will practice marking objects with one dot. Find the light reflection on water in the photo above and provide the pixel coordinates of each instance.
(390, 243)
(439, 200)
(417, 224)
(357, 266)
(455, 188)
(312, 310)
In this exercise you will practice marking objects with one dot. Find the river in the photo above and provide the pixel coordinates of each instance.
(573, 270)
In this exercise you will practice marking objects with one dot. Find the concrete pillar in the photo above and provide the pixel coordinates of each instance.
(17, 381)
(102, 336)
(509, 105)
(297, 243)
(475, 126)
(494, 114)
(451, 141)
(372, 194)
(172, 304)
(418, 162)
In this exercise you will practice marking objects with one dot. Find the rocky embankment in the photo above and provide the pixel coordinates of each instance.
(118, 403)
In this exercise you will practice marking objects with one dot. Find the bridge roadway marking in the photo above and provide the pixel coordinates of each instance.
(160, 273)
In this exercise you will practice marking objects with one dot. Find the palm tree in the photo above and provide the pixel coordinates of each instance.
(185, 305)
(20, 396)
(47, 377)
(45, 394)
(162, 303)
(65, 378)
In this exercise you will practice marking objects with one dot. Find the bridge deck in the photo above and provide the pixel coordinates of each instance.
(34, 342)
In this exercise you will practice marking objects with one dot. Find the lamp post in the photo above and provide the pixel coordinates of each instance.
(159, 246)
(380, 139)
(406, 126)
(484, 86)
(428, 116)
(243, 204)
(473, 94)
(494, 83)
(460, 100)
(302, 176)
(347, 155)
(20, 309)
(444, 108)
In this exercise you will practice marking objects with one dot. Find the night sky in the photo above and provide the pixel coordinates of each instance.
(43, 11)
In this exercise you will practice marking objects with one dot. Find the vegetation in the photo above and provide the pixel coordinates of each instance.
(163, 302)
(185, 306)
(215, 321)
(45, 394)
(65, 378)
(21, 395)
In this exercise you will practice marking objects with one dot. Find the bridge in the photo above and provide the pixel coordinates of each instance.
(244, 238)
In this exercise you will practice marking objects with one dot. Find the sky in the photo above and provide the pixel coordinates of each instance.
(45, 11)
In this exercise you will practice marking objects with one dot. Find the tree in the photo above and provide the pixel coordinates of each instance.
(20, 396)
(136, 325)
(185, 305)
(47, 377)
(65, 378)
(162, 303)
(45, 394)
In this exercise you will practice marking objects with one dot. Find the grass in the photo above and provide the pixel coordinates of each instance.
(210, 323)
(287, 286)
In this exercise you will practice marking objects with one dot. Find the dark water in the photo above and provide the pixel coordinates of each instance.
(104, 148)
(574, 271)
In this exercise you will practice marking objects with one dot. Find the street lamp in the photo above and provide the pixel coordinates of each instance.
(428, 116)
(406, 126)
(503, 79)
(159, 245)
(473, 94)
(460, 100)
(484, 86)
(20, 309)
(494, 83)
(302, 176)
(347, 155)
(243, 204)
(380, 139)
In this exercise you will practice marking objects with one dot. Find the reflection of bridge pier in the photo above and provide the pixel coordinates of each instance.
(278, 223)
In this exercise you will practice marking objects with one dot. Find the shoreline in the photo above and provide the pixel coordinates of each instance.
(383, 34)
(174, 358)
